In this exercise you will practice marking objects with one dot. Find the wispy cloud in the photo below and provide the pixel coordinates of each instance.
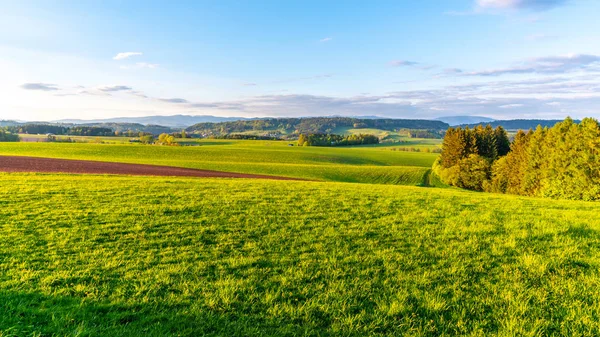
(544, 97)
(411, 64)
(40, 86)
(402, 63)
(174, 100)
(326, 39)
(547, 65)
(502, 6)
(122, 56)
(249, 84)
(114, 88)
(511, 106)
(520, 4)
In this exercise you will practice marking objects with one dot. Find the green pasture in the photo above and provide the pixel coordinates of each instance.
(153, 256)
(356, 164)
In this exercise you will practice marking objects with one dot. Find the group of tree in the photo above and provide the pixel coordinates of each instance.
(166, 139)
(313, 125)
(90, 131)
(425, 134)
(6, 136)
(467, 155)
(562, 161)
(320, 139)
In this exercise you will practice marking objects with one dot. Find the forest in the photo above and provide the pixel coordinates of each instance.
(561, 162)
(319, 139)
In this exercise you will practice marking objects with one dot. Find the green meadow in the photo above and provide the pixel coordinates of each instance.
(154, 256)
(354, 164)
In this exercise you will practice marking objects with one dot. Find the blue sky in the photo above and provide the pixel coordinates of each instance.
(403, 59)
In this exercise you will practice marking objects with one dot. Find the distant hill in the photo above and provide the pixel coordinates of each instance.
(520, 124)
(313, 125)
(8, 123)
(175, 121)
(462, 120)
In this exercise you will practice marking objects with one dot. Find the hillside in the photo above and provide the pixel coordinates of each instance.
(313, 125)
(124, 256)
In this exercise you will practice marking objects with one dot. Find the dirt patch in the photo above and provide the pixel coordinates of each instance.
(52, 165)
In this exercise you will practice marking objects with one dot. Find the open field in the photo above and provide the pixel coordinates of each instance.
(125, 256)
(54, 165)
(356, 164)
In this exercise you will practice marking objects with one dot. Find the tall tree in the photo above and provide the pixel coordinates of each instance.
(502, 141)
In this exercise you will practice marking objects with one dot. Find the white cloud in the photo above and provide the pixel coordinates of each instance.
(122, 56)
(327, 39)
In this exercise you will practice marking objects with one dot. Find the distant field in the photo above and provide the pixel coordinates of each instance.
(90, 139)
(355, 164)
(131, 256)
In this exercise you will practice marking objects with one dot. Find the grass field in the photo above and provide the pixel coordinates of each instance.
(355, 164)
(125, 256)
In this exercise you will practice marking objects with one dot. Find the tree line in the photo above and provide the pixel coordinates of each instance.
(61, 130)
(562, 161)
(244, 137)
(520, 124)
(318, 139)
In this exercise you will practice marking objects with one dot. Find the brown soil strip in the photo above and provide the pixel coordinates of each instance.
(52, 165)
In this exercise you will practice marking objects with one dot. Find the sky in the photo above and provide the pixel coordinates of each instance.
(422, 59)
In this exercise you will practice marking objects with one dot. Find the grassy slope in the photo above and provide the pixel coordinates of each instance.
(125, 256)
(368, 165)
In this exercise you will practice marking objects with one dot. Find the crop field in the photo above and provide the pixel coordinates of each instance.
(156, 256)
(355, 164)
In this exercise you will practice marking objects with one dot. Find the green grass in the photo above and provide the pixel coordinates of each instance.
(131, 256)
(358, 164)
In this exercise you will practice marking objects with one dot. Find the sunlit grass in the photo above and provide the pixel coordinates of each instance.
(125, 256)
